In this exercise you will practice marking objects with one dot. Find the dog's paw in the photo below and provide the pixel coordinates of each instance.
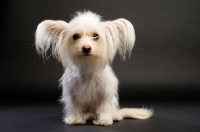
(74, 120)
(103, 122)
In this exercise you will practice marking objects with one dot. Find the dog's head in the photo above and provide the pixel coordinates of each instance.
(85, 42)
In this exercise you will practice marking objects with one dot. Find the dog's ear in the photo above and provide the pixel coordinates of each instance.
(50, 35)
(120, 36)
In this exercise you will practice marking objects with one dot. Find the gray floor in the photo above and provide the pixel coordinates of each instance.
(168, 117)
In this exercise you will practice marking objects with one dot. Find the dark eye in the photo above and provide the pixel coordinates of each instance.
(96, 36)
(76, 36)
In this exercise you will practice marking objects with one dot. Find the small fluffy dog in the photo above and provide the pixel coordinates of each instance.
(86, 47)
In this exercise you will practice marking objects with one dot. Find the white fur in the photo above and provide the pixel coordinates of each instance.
(89, 85)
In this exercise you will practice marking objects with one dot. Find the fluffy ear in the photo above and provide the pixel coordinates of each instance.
(51, 34)
(120, 36)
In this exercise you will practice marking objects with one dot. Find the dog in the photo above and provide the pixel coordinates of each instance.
(86, 47)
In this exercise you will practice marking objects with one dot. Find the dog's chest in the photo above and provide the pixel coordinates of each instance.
(89, 89)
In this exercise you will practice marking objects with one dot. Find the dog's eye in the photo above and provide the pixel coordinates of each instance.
(96, 36)
(76, 36)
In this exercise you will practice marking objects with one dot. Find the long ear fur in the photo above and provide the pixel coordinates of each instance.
(120, 36)
(112, 39)
(50, 35)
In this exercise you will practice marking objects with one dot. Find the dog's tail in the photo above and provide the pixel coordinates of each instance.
(136, 113)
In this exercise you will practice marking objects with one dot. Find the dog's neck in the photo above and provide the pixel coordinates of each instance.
(85, 72)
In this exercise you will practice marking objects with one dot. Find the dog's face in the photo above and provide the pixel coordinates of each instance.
(88, 50)
(86, 42)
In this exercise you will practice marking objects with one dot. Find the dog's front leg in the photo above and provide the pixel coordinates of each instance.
(104, 116)
(73, 114)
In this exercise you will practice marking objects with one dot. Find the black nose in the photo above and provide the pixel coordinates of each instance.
(86, 49)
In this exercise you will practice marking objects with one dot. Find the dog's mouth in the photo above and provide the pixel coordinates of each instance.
(86, 54)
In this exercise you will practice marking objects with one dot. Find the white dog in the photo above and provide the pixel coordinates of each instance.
(86, 47)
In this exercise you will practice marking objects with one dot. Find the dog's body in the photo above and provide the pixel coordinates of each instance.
(86, 46)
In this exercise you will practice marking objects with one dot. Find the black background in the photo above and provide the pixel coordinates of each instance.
(163, 72)
(164, 63)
